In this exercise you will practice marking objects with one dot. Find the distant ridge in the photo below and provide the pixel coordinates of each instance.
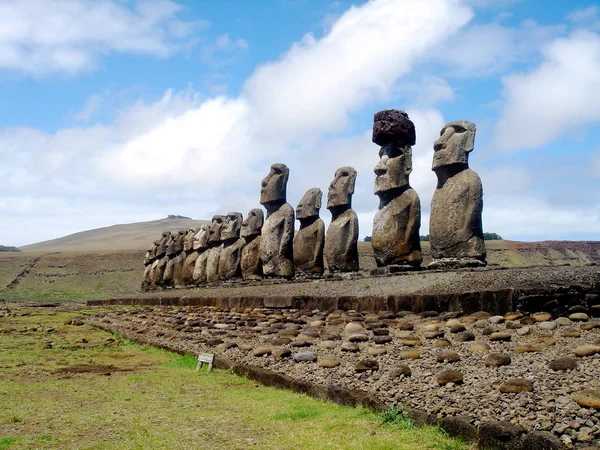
(131, 236)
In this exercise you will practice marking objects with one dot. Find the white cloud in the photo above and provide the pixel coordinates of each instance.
(68, 36)
(560, 95)
(89, 109)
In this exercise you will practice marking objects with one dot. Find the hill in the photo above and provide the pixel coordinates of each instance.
(132, 236)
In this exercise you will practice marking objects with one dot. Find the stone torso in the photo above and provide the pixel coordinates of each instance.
(341, 248)
(229, 260)
(396, 226)
(199, 275)
(277, 243)
(212, 263)
(455, 229)
(250, 262)
(308, 247)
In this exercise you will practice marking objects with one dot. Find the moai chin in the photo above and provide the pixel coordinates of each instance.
(216, 246)
(341, 240)
(251, 233)
(202, 250)
(231, 254)
(396, 224)
(455, 226)
(276, 245)
(310, 239)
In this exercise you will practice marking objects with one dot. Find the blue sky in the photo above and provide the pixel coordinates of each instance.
(117, 111)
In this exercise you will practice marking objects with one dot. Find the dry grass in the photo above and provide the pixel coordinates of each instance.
(103, 395)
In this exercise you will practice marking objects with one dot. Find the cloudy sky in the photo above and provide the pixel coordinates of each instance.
(119, 111)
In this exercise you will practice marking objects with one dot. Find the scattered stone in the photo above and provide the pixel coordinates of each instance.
(516, 385)
(447, 356)
(439, 343)
(464, 336)
(381, 332)
(513, 316)
(542, 316)
(305, 357)
(495, 320)
(524, 331)
(481, 315)
(588, 398)
(282, 353)
(513, 326)
(564, 363)
(354, 328)
(489, 330)
(214, 342)
(500, 435)
(579, 317)
(279, 341)
(548, 340)
(570, 332)
(405, 325)
(409, 354)
(449, 376)
(480, 347)
(375, 351)
(527, 348)
(548, 326)
(411, 342)
(433, 334)
(225, 346)
(261, 351)
(538, 440)
(457, 328)
(563, 322)
(350, 347)
(382, 339)
(328, 362)
(459, 426)
(497, 360)
(500, 336)
(358, 338)
(527, 321)
(589, 326)
(587, 350)
(366, 364)
(327, 344)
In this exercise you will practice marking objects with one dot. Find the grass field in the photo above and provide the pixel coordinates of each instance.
(64, 386)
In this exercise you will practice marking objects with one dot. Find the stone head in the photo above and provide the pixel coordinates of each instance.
(342, 187)
(273, 186)
(201, 237)
(394, 132)
(309, 204)
(232, 226)
(215, 229)
(252, 224)
(188, 242)
(456, 140)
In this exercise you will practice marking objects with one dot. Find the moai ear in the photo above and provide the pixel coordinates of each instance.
(408, 160)
(319, 199)
(470, 142)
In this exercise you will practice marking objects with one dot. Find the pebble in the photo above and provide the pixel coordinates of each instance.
(524, 331)
(497, 360)
(449, 376)
(495, 320)
(305, 357)
(542, 316)
(527, 348)
(516, 385)
(366, 364)
(447, 356)
(350, 347)
(569, 332)
(513, 315)
(327, 344)
(328, 362)
(261, 351)
(358, 338)
(480, 347)
(500, 336)
(579, 317)
(587, 350)
(382, 339)
(400, 369)
(409, 354)
(563, 322)
(548, 325)
(589, 398)
(564, 363)
(375, 351)
(439, 343)
(282, 353)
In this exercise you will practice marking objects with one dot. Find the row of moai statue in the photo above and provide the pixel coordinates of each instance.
(255, 248)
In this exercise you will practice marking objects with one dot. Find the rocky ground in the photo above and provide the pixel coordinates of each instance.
(537, 372)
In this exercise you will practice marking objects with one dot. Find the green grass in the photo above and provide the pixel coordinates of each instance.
(155, 399)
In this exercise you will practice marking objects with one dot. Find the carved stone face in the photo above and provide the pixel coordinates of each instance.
(231, 228)
(341, 188)
(309, 204)
(456, 140)
(188, 242)
(201, 237)
(273, 187)
(393, 168)
(253, 223)
(215, 229)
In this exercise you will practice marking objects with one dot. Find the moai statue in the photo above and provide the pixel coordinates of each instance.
(231, 255)
(341, 240)
(396, 224)
(183, 275)
(251, 228)
(148, 261)
(455, 227)
(161, 258)
(216, 246)
(310, 239)
(173, 252)
(201, 248)
(276, 245)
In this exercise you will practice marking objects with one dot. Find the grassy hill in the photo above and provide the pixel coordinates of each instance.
(132, 236)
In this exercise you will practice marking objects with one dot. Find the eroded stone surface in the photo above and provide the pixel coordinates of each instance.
(250, 263)
(309, 240)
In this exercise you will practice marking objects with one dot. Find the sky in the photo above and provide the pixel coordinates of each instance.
(121, 111)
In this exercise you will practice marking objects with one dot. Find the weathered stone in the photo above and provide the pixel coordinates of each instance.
(282, 353)
(358, 338)
(513, 316)
(382, 339)
(440, 343)
(409, 354)
(261, 351)
(309, 241)
(455, 226)
(538, 440)
(250, 263)
(500, 436)
(495, 320)
(225, 346)
(489, 330)
(354, 328)
(396, 224)
(279, 341)
(587, 350)
(216, 246)
(341, 240)
(516, 385)
(465, 336)
(328, 362)
(569, 332)
(327, 344)
(499, 336)
(457, 328)
(527, 321)
(305, 357)
(589, 398)
(589, 326)
(350, 347)
(375, 351)
(524, 331)
(231, 254)
(366, 364)
(542, 317)
(400, 370)
(276, 244)
(411, 341)
(449, 376)
(527, 348)
(480, 347)
(405, 325)
(563, 322)
(549, 326)
(447, 356)
(497, 360)
(564, 363)
(578, 317)
(201, 247)
(513, 326)
(300, 343)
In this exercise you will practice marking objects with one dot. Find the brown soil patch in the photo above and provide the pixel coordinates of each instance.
(92, 368)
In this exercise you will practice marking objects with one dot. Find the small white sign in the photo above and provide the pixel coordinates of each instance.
(205, 358)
